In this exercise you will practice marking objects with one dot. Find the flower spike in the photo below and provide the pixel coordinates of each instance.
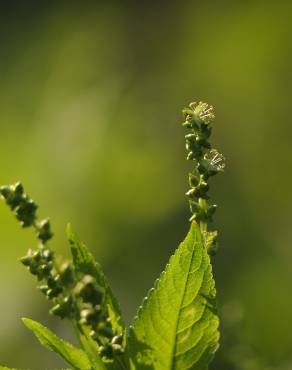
(77, 297)
(208, 162)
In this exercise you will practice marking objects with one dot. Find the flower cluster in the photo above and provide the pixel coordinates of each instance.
(208, 162)
(25, 209)
(76, 297)
(93, 313)
(55, 281)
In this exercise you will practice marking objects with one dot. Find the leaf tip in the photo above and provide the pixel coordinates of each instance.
(27, 322)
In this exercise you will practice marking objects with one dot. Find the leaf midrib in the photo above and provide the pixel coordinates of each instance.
(172, 357)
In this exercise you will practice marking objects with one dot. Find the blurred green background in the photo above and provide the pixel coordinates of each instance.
(90, 101)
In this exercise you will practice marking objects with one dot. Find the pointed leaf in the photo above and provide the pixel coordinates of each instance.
(74, 356)
(177, 325)
(85, 263)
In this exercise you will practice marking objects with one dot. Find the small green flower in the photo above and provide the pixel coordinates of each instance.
(212, 163)
(198, 114)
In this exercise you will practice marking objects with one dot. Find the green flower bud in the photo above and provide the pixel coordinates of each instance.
(14, 200)
(117, 349)
(43, 289)
(194, 180)
(90, 315)
(67, 277)
(26, 212)
(117, 339)
(36, 256)
(194, 151)
(191, 156)
(18, 189)
(210, 212)
(56, 310)
(64, 308)
(106, 351)
(25, 260)
(187, 124)
(92, 334)
(33, 268)
(5, 191)
(200, 191)
(191, 137)
(54, 284)
(12, 194)
(104, 329)
(47, 255)
(195, 207)
(89, 290)
(96, 337)
(54, 292)
(44, 232)
(45, 269)
(29, 258)
(51, 282)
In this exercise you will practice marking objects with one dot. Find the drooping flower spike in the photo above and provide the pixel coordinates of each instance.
(77, 298)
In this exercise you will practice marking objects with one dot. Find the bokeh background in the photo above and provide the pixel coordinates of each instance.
(90, 100)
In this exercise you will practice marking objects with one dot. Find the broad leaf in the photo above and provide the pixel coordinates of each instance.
(74, 356)
(85, 263)
(177, 326)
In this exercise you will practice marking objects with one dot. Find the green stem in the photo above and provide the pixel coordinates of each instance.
(203, 225)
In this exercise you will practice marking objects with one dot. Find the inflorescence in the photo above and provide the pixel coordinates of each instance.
(208, 162)
(76, 297)
(79, 297)
(25, 209)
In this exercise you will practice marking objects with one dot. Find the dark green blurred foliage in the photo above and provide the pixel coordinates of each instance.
(90, 97)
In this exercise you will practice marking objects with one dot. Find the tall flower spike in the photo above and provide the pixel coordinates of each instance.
(207, 162)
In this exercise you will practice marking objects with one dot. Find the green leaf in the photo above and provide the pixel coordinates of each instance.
(177, 326)
(74, 356)
(85, 263)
